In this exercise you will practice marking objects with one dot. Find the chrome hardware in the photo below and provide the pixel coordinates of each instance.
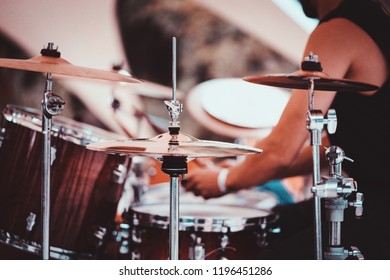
(358, 204)
(336, 190)
(331, 121)
(119, 174)
(30, 221)
(197, 251)
(2, 135)
(175, 108)
(136, 235)
(99, 235)
(355, 252)
(53, 153)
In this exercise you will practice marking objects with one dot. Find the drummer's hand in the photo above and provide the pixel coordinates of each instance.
(203, 182)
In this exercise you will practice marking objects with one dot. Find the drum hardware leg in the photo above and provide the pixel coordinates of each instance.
(335, 190)
(52, 105)
(197, 250)
(315, 123)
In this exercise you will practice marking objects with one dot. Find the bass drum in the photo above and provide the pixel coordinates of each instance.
(85, 186)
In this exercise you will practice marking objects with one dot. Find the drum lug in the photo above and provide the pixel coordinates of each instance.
(30, 221)
(99, 234)
(119, 174)
(197, 251)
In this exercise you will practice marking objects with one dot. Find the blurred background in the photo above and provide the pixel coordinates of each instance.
(216, 41)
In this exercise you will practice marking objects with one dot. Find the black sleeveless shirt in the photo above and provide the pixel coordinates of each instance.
(363, 130)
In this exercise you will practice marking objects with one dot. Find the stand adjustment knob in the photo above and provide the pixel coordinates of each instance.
(331, 121)
(355, 252)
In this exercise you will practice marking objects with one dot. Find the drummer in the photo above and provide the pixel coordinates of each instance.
(351, 43)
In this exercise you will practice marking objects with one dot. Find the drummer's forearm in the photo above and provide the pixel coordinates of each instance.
(257, 169)
(303, 165)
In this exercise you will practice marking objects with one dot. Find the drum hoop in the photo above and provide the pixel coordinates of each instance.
(207, 224)
(35, 248)
(67, 129)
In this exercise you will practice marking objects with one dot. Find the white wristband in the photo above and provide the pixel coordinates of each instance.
(223, 173)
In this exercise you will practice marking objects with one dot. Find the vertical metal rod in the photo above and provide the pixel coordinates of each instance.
(174, 68)
(46, 162)
(315, 138)
(174, 219)
(317, 204)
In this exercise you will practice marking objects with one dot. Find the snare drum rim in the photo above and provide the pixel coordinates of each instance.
(206, 224)
(62, 127)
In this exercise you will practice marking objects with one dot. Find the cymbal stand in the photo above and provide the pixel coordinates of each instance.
(335, 190)
(174, 166)
(315, 122)
(52, 105)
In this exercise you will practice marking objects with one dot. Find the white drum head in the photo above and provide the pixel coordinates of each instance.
(240, 103)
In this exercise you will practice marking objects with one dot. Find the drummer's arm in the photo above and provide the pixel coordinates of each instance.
(283, 151)
(303, 165)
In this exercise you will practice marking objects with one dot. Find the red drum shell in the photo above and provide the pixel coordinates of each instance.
(85, 185)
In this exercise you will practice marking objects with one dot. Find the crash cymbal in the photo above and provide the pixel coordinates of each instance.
(57, 65)
(178, 145)
(301, 80)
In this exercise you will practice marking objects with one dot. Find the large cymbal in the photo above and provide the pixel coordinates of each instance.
(301, 80)
(57, 65)
(165, 145)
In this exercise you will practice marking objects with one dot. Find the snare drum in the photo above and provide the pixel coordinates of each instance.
(206, 231)
(85, 185)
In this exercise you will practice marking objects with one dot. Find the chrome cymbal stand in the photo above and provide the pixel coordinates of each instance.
(174, 166)
(335, 190)
(315, 123)
(52, 105)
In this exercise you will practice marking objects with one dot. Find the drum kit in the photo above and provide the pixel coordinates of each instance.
(84, 169)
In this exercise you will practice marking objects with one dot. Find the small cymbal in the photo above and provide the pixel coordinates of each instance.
(301, 79)
(57, 65)
(166, 145)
